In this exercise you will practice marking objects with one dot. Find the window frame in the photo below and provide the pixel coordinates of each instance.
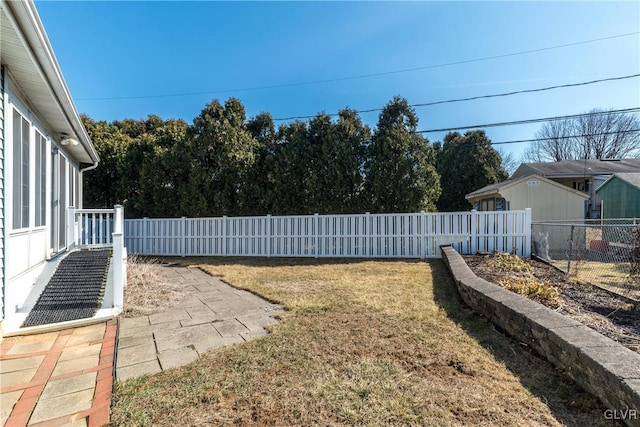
(21, 173)
(40, 188)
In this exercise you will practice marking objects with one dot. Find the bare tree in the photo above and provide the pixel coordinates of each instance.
(598, 134)
(509, 162)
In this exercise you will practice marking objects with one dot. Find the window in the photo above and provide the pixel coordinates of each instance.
(581, 186)
(487, 204)
(41, 180)
(21, 144)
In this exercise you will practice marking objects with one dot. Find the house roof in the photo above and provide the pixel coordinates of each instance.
(491, 188)
(501, 186)
(578, 168)
(631, 178)
(31, 65)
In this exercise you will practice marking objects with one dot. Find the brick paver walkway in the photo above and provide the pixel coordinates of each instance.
(59, 378)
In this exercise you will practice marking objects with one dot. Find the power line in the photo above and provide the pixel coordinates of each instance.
(521, 122)
(584, 135)
(448, 101)
(362, 76)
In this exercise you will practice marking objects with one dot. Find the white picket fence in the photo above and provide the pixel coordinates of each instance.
(408, 235)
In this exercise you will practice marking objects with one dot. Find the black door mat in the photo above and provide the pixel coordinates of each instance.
(75, 290)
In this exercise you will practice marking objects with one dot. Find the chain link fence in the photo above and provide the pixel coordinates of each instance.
(602, 252)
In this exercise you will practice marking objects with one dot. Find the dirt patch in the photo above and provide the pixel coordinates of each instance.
(148, 291)
(613, 315)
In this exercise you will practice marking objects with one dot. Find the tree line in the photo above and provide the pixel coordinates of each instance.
(597, 134)
(227, 164)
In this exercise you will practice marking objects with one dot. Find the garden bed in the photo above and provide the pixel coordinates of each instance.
(614, 316)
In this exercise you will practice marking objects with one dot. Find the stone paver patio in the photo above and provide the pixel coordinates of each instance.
(214, 314)
(65, 378)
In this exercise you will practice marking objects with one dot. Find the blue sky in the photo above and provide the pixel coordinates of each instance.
(139, 52)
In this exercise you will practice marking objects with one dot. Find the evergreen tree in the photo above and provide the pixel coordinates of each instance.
(400, 170)
(291, 170)
(102, 187)
(259, 194)
(345, 156)
(223, 153)
(466, 163)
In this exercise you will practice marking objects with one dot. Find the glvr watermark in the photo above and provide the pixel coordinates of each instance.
(621, 414)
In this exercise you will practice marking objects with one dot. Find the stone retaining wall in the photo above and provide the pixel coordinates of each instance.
(600, 365)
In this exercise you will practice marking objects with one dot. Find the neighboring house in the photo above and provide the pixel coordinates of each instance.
(547, 199)
(620, 195)
(44, 150)
(582, 175)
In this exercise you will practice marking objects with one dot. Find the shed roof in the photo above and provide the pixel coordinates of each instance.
(501, 186)
(631, 178)
(571, 168)
(492, 188)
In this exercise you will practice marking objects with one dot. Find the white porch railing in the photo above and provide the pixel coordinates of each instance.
(91, 227)
(408, 235)
(102, 228)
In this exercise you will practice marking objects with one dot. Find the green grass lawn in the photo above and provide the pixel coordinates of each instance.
(362, 343)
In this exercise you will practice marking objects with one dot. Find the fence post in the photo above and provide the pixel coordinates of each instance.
(268, 242)
(474, 231)
(183, 240)
(316, 222)
(367, 235)
(526, 251)
(570, 251)
(145, 234)
(71, 228)
(224, 235)
(119, 269)
(423, 225)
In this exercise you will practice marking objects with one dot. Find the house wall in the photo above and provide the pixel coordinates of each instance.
(588, 185)
(581, 182)
(620, 199)
(547, 201)
(32, 238)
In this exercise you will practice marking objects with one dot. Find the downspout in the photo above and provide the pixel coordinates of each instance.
(81, 171)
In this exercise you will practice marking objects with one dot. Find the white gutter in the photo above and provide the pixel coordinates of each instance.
(28, 21)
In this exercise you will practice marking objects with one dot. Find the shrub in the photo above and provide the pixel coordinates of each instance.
(532, 288)
(510, 262)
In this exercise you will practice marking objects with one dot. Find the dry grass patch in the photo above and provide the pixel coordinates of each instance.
(147, 291)
(532, 288)
(510, 262)
(615, 277)
(521, 279)
(370, 343)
